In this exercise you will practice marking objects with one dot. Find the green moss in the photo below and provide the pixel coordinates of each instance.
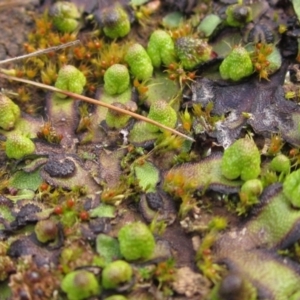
(79, 285)
(116, 274)
(17, 146)
(70, 79)
(236, 65)
(136, 241)
(241, 159)
(116, 79)
(161, 48)
(139, 62)
(9, 113)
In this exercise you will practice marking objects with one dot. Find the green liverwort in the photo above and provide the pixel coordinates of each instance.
(192, 52)
(136, 241)
(236, 65)
(162, 112)
(80, 285)
(65, 16)
(115, 21)
(70, 79)
(241, 159)
(18, 146)
(139, 62)
(9, 113)
(116, 273)
(161, 48)
(116, 79)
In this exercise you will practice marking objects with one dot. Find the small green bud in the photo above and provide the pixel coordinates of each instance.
(209, 24)
(18, 146)
(192, 52)
(281, 163)
(65, 16)
(161, 48)
(115, 21)
(291, 188)
(116, 79)
(238, 15)
(79, 285)
(242, 158)
(9, 113)
(236, 65)
(136, 241)
(46, 230)
(162, 112)
(70, 79)
(252, 187)
(115, 274)
(139, 62)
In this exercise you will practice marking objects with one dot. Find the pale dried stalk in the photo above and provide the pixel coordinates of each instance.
(97, 102)
(39, 52)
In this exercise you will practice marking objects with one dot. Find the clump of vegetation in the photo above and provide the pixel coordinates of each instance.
(237, 64)
(241, 159)
(136, 241)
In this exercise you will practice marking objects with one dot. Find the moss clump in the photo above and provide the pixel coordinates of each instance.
(116, 79)
(192, 52)
(236, 65)
(139, 62)
(9, 113)
(65, 16)
(70, 79)
(17, 146)
(136, 241)
(161, 48)
(79, 285)
(242, 159)
(116, 274)
(115, 21)
(162, 112)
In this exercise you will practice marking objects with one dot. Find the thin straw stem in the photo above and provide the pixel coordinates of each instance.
(39, 52)
(97, 102)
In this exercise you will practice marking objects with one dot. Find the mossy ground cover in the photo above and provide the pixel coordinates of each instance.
(98, 205)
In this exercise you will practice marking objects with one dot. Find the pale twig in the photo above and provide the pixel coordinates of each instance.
(97, 102)
(39, 52)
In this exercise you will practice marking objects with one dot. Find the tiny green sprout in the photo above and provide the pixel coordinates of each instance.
(136, 241)
(281, 164)
(9, 113)
(115, 274)
(17, 146)
(46, 230)
(116, 79)
(161, 48)
(242, 159)
(162, 112)
(65, 16)
(291, 188)
(236, 65)
(139, 62)
(79, 285)
(238, 15)
(70, 79)
(115, 21)
(192, 52)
